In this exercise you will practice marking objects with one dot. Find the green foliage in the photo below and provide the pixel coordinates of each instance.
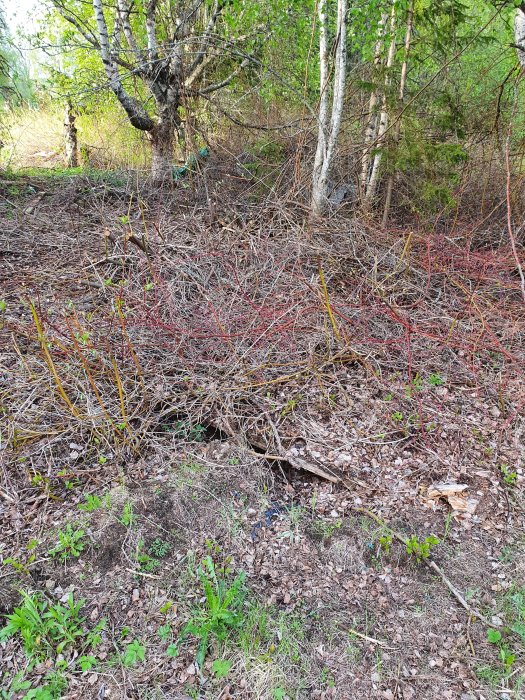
(221, 667)
(159, 548)
(127, 518)
(134, 653)
(510, 476)
(93, 503)
(219, 614)
(420, 549)
(71, 542)
(45, 629)
(188, 431)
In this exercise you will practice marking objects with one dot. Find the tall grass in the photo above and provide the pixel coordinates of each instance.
(34, 138)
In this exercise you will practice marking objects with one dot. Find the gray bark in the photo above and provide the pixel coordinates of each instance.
(70, 138)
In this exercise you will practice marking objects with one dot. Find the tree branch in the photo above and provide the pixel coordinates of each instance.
(138, 116)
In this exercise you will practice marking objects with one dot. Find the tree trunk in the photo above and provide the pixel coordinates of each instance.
(162, 139)
(383, 117)
(519, 33)
(371, 125)
(328, 127)
(70, 138)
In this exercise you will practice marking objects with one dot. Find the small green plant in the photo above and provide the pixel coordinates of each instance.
(221, 667)
(397, 416)
(188, 431)
(45, 630)
(92, 503)
(71, 542)
(506, 656)
(324, 529)
(290, 406)
(435, 380)
(510, 476)
(159, 548)
(21, 566)
(146, 563)
(420, 549)
(278, 694)
(134, 653)
(3, 305)
(415, 385)
(385, 541)
(220, 612)
(127, 518)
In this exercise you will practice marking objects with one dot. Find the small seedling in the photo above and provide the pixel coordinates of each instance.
(397, 416)
(221, 667)
(385, 542)
(127, 518)
(436, 380)
(220, 612)
(70, 543)
(510, 477)
(159, 548)
(135, 653)
(421, 549)
(92, 503)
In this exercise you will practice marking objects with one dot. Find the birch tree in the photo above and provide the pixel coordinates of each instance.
(519, 33)
(158, 55)
(372, 179)
(330, 111)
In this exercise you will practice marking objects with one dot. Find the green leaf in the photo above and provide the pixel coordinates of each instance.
(173, 650)
(494, 636)
(221, 667)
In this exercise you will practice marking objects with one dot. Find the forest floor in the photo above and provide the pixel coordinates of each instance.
(304, 441)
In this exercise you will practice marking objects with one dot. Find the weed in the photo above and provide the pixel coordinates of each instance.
(159, 548)
(70, 543)
(45, 629)
(324, 529)
(436, 380)
(510, 477)
(164, 632)
(221, 667)
(93, 503)
(146, 562)
(135, 652)
(397, 416)
(290, 406)
(22, 566)
(219, 613)
(385, 541)
(188, 431)
(421, 549)
(127, 518)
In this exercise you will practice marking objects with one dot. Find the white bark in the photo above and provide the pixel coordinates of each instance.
(383, 117)
(519, 34)
(138, 116)
(329, 123)
(371, 126)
